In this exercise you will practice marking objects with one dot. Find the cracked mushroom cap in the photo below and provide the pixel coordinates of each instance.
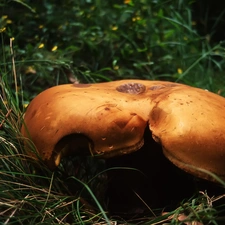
(109, 119)
(105, 118)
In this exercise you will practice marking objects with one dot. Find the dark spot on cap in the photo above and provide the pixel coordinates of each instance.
(81, 85)
(132, 88)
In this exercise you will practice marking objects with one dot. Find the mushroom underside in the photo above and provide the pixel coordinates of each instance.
(144, 174)
(77, 144)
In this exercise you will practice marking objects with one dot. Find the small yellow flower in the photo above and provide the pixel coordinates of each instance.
(25, 105)
(41, 26)
(136, 18)
(114, 28)
(116, 67)
(2, 29)
(54, 48)
(4, 17)
(179, 70)
(30, 69)
(41, 45)
(127, 1)
(8, 21)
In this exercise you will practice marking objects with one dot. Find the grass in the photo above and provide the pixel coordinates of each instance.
(122, 45)
(31, 194)
(35, 195)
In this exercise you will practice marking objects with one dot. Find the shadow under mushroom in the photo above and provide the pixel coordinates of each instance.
(156, 185)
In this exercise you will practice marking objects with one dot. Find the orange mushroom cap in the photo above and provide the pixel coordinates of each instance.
(110, 119)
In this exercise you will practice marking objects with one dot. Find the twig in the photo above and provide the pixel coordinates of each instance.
(6, 116)
(13, 63)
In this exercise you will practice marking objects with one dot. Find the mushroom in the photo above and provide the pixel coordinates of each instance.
(110, 119)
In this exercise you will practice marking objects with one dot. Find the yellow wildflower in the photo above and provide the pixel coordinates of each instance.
(114, 28)
(2, 29)
(179, 70)
(41, 45)
(54, 48)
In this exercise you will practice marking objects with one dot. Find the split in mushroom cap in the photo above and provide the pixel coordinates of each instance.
(110, 119)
